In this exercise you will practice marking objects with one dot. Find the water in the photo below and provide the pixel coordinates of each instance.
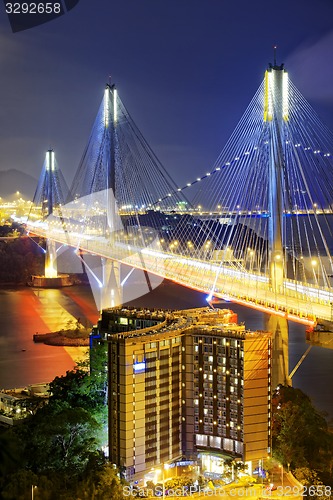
(315, 375)
(25, 311)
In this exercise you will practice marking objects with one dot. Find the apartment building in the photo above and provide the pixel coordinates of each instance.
(191, 384)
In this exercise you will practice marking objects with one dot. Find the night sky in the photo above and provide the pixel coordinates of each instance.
(185, 69)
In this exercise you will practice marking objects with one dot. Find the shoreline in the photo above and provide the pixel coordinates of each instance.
(64, 338)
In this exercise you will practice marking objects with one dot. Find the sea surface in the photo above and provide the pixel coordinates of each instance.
(25, 311)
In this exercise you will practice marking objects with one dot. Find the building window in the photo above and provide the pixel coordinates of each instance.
(201, 440)
(215, 441)
(228, 444)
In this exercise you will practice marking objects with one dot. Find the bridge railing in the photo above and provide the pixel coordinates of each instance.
(203, 275)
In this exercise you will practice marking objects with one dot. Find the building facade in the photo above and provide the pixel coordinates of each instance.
(17, 404)
(190, 384)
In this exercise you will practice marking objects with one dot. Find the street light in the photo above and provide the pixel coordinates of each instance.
(163, 487)
(281, 467)
(33, 486)
(163, 491)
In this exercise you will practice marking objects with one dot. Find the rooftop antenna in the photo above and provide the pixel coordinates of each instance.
(274, 49)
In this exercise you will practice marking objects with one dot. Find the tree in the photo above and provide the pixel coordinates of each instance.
(21, 484)
(62, 442)
(313, 486)
(300, 432)
(61, 438)
(98, 370)
(109, 485)
(19, 259)
(81, 389)
(10, 453)
(288, 444)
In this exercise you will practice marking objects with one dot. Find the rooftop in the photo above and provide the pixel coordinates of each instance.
(213, 321)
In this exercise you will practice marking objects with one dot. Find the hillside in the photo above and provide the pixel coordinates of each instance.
(14, 180)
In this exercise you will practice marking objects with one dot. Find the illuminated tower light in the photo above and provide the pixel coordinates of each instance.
(115, 107)
(285, 100)
(106, 107)
(269, 93)
(50, 160)
(268, 105)
(50, 163)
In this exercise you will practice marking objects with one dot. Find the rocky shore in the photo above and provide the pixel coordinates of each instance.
(69, 338)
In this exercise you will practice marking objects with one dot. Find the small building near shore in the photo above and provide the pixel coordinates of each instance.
(17, 404)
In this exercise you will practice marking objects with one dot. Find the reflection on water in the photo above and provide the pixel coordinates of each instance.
(26, 311)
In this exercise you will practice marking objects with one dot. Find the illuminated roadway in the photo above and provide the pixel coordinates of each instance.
(295, 301)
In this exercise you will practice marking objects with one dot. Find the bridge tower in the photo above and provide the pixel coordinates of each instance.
(111, 292)
(50, 195)
(51, 268)
(276, 116)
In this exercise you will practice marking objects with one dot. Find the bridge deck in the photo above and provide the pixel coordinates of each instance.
(296, 301)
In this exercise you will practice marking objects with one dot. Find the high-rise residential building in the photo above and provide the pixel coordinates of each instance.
(191, 384)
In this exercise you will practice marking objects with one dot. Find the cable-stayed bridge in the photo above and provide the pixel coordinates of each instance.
(255, 228)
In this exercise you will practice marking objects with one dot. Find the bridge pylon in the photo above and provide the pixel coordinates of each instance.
(276, 114)
(51, 268)
(50, 195)
(111, 292)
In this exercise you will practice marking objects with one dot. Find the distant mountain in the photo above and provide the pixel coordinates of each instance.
(14, 180)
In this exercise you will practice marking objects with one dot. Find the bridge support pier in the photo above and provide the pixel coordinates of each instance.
(111, 291)
(51, 278)
(280, 350)
(51, 267)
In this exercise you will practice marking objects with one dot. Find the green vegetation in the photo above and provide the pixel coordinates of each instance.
(19, 257)
(58, 449)
(302, 441)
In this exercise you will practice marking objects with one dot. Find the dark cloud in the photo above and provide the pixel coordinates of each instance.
(312, 66)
